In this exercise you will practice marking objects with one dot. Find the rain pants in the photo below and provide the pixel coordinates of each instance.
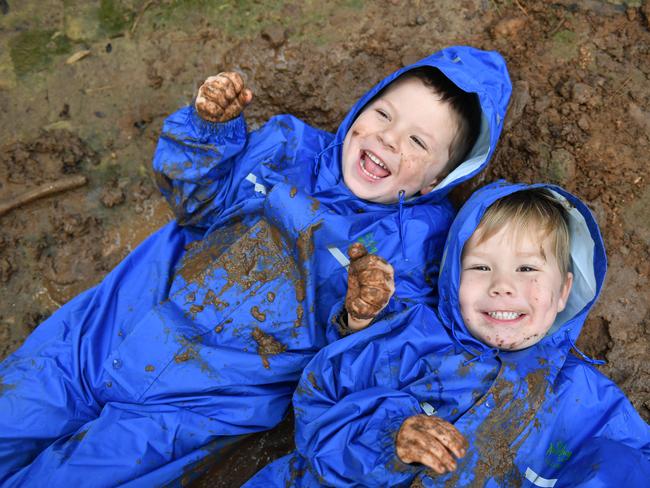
(535, 417)
(200, 335)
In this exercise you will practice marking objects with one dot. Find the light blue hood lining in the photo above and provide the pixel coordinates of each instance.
(474, 160)
(582, 265)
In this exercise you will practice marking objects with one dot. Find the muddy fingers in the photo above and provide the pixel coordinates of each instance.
(431, 441)
(371, 284)
(222, 97)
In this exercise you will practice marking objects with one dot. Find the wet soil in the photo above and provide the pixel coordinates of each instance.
(579, 116)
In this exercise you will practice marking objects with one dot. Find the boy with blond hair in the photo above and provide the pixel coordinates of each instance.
(486, 392)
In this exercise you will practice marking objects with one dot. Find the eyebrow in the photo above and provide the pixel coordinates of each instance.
(532, 254)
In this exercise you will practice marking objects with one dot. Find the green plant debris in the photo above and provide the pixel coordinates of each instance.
(246, 18)
(114, 17)
(565, 45)
(33, 50)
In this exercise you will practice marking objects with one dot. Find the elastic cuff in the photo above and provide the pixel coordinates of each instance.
(389, 458)
(221, 130)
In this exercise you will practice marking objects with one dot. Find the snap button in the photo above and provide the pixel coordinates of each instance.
(117, 364)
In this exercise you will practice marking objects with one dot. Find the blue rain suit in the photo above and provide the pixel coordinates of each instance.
(200, 335)
(535, 417)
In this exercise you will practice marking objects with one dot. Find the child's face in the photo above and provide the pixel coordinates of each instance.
(511, 288)
(400, 141)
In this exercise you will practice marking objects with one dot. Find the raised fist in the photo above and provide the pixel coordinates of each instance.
(223, 97)
(371, 283)
(431, 441)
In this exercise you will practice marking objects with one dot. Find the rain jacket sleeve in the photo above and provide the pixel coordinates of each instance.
(348, 412)
(194, 161)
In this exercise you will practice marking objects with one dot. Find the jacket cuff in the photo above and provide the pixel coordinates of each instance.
(335, 328)
(400, 472)
(219, 132)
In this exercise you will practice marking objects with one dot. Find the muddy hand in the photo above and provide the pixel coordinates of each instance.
(222, 97)
(431, 441)
(371, 283)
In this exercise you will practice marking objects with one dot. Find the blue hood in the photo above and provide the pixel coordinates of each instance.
(473, 70)
(588, 263)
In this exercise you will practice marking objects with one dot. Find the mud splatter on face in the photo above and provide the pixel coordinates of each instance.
(267, 345)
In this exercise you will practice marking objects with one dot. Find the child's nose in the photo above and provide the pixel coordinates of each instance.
(501, 286)
(388, 138)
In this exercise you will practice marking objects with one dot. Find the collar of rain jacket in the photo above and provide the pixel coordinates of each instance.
(588, 262)
(473, 70)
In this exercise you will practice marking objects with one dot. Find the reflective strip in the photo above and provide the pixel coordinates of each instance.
(456, 59)
(258, 186)
(537, 480)
(339, 256)
(428, 408)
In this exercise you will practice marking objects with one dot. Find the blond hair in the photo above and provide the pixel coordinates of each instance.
(531, 210)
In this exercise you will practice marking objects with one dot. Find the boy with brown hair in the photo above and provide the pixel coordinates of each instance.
(199, 336)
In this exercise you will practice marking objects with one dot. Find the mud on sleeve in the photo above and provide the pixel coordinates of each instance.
(193, 164)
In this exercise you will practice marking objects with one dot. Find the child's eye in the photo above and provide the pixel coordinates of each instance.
(419, 142)
(479, 267)
(383, 113)
(526, 269)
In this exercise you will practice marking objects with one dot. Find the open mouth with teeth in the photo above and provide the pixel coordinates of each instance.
(372, 167)
(504, 316)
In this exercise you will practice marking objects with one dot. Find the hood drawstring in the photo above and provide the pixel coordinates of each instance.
(317, 159)
(400, 199)
(582, 354)
(493, 352)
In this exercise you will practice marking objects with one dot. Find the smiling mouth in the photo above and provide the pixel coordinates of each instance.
(372, 166)
(504, 316)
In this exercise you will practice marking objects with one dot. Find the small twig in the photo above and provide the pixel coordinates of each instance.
(98, 88)
(521, 8)
(140, 14)
(621, 87)
(42, 191)
(557, 27)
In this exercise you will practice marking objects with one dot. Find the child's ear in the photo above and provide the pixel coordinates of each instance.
(429, 187)
(565, 291)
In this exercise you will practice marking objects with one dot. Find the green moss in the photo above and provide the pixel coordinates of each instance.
(565, 45)
(246, 18)
(33, 50)
(114, 17)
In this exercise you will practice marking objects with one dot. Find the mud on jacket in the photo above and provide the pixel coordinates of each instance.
(200, 335)
(536, 417)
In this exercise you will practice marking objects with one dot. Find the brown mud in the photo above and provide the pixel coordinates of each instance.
(579, 116)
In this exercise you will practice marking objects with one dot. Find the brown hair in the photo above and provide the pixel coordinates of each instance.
(535, 209)
(464, 105)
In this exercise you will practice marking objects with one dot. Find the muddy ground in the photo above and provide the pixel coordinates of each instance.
(85, 86)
